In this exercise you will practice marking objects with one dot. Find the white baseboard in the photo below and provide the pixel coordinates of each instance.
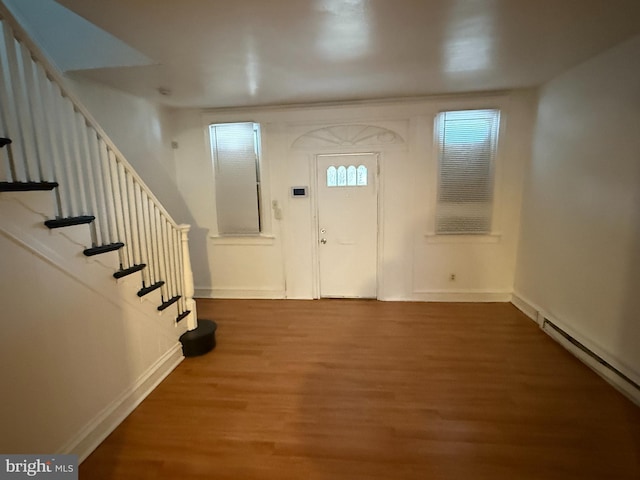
(526, 307)
(420, 296)
(538, 315)
(99, 428)
(239, 293)
(624, 387)
(461, 296)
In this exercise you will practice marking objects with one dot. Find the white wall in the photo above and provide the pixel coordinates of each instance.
(579, 259)
(142, 131)
(413, 264)
(78, 350)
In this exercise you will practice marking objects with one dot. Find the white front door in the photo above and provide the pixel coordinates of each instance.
(348, 225)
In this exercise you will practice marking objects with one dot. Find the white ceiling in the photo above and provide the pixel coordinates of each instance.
(214, 53)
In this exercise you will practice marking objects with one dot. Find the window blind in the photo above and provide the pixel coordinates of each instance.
(467, 148)
(234, 150)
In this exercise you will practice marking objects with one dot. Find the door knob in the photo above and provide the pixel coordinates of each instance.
(323, 241)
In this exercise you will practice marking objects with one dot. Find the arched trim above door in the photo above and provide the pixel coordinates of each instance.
(355, 135)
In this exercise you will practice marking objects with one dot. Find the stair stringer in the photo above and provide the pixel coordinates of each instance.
(101, 350)
(23, 215)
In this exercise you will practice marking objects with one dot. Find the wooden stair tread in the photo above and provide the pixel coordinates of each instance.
(168, 303)
(128, 271)
(90, 252)
(69, 221)
(146, 290)
(183, 315)
(27, 186)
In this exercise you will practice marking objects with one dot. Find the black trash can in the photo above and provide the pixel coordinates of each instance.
(201, 340)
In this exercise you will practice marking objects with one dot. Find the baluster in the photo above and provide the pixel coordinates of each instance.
(5, 170)
(133, 218)
(11, 109)
(76, 156)
(6, 167)
(108, 191)
(167, 258)
(59, 151)
(89, 179)
(177, 239)
(192, 319)
(142, 236)
(99, 185)
(48, 90)
(174, 260)
(150, 275)
(5, 152)
(161, 260)
(167, 255)
(33, 107)
(41, 90)
(122, 183)
(63, 109)
(125, 259)
(154, 242)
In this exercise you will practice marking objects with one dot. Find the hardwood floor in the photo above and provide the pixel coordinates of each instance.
(341, 389)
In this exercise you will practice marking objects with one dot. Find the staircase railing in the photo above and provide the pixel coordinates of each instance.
(55, 143)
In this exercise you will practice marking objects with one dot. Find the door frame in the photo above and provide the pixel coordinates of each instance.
(315, 224)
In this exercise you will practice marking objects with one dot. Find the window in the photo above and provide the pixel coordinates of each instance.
(235, 151)
(342, 176)
(350, 176)
(332, 176)
(467, 143)
(362, 176)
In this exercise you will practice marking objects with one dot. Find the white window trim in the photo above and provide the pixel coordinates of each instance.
(266, 220)
(261, 239)
(463, 238)
(495, 235)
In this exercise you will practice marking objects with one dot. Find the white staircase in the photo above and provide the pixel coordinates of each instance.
(96, 283)
(50, 142)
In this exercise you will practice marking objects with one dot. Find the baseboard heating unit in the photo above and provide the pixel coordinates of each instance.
(626, 385)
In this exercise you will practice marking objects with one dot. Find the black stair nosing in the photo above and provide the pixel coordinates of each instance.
(27, 186)
(168, 303)
(128, 271)
(145, 290)
(90, 252)
(5, 141)
(69, 221)
(183, 315)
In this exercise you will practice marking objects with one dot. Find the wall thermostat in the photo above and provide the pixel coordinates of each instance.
(298, 192)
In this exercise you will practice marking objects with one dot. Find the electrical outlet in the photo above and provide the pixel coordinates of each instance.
(452, 277)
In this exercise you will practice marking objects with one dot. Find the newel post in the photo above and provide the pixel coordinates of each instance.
(187, 278)
(200, 336)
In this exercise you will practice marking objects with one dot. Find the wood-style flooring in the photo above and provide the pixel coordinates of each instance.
(341, 389)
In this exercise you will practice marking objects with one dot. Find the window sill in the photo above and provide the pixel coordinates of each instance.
(242, 240)
(454, 239)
